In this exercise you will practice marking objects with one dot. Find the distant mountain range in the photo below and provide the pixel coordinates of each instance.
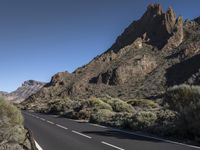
(153, 53)
(3, 93)
(28, 88)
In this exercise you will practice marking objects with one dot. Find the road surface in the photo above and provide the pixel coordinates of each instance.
(55, 133)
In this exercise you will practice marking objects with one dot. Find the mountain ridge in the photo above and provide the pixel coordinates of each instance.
(138, 65)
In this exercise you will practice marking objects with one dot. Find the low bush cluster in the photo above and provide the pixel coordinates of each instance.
(102, 116)
(185, 99)
(9, 114)
(119, 105)
(96, 103)
(143, 103)
(143, 120)
(122, 120)
(179, 113)
(60, 106)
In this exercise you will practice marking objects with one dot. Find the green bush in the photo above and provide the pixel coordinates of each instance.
(122, 120)
(185, 99)
(119, 105)
(182, 96)
(166, 115)
(102, 116)
(60, 106)
(85, 113)
(12, 132)
(143, 103)
(9, 114)
(143, 120)
(87, 108)
(96, 103)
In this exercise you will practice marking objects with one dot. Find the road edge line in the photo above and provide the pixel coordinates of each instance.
(38, 146)
(156, 138)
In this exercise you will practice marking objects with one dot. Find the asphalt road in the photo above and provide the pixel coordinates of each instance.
(56, 133)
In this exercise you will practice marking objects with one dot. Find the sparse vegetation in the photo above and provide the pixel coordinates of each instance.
(60, 106)
(143, 103)
(143, 120)
(11, 112)
(122, 120)
(119, 105)
(185, 99)
(102, 116)
(12, 132)
(177, 115)
(96, 103)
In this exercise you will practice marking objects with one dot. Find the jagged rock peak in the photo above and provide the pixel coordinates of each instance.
(157, 26)
(155, 9)
(170, 18)
(32, 83)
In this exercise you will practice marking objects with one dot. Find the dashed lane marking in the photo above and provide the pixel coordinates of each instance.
(50, 122)
(108, 144)
(61, 126)
(81, 134)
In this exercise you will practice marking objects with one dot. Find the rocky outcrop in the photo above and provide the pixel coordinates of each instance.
(141, 66)
(155, 27)
(177, 38)
(60, 78)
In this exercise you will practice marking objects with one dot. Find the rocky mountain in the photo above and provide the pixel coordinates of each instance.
(28, 88)
(3, 93)
(153, 53)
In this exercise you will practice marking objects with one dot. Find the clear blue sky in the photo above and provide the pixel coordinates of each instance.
(39, 38)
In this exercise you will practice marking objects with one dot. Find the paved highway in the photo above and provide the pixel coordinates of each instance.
(56, 133)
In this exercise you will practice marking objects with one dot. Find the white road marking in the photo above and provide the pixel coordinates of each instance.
(112, 145)
(42, 119)
(38, 146)
(50, 122)
(55, 115)
(81, 134)
(61, 126)
(96, 125)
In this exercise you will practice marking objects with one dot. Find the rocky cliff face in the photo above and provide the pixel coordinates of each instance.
(155, 27)
(153, 53)
(28, 88)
